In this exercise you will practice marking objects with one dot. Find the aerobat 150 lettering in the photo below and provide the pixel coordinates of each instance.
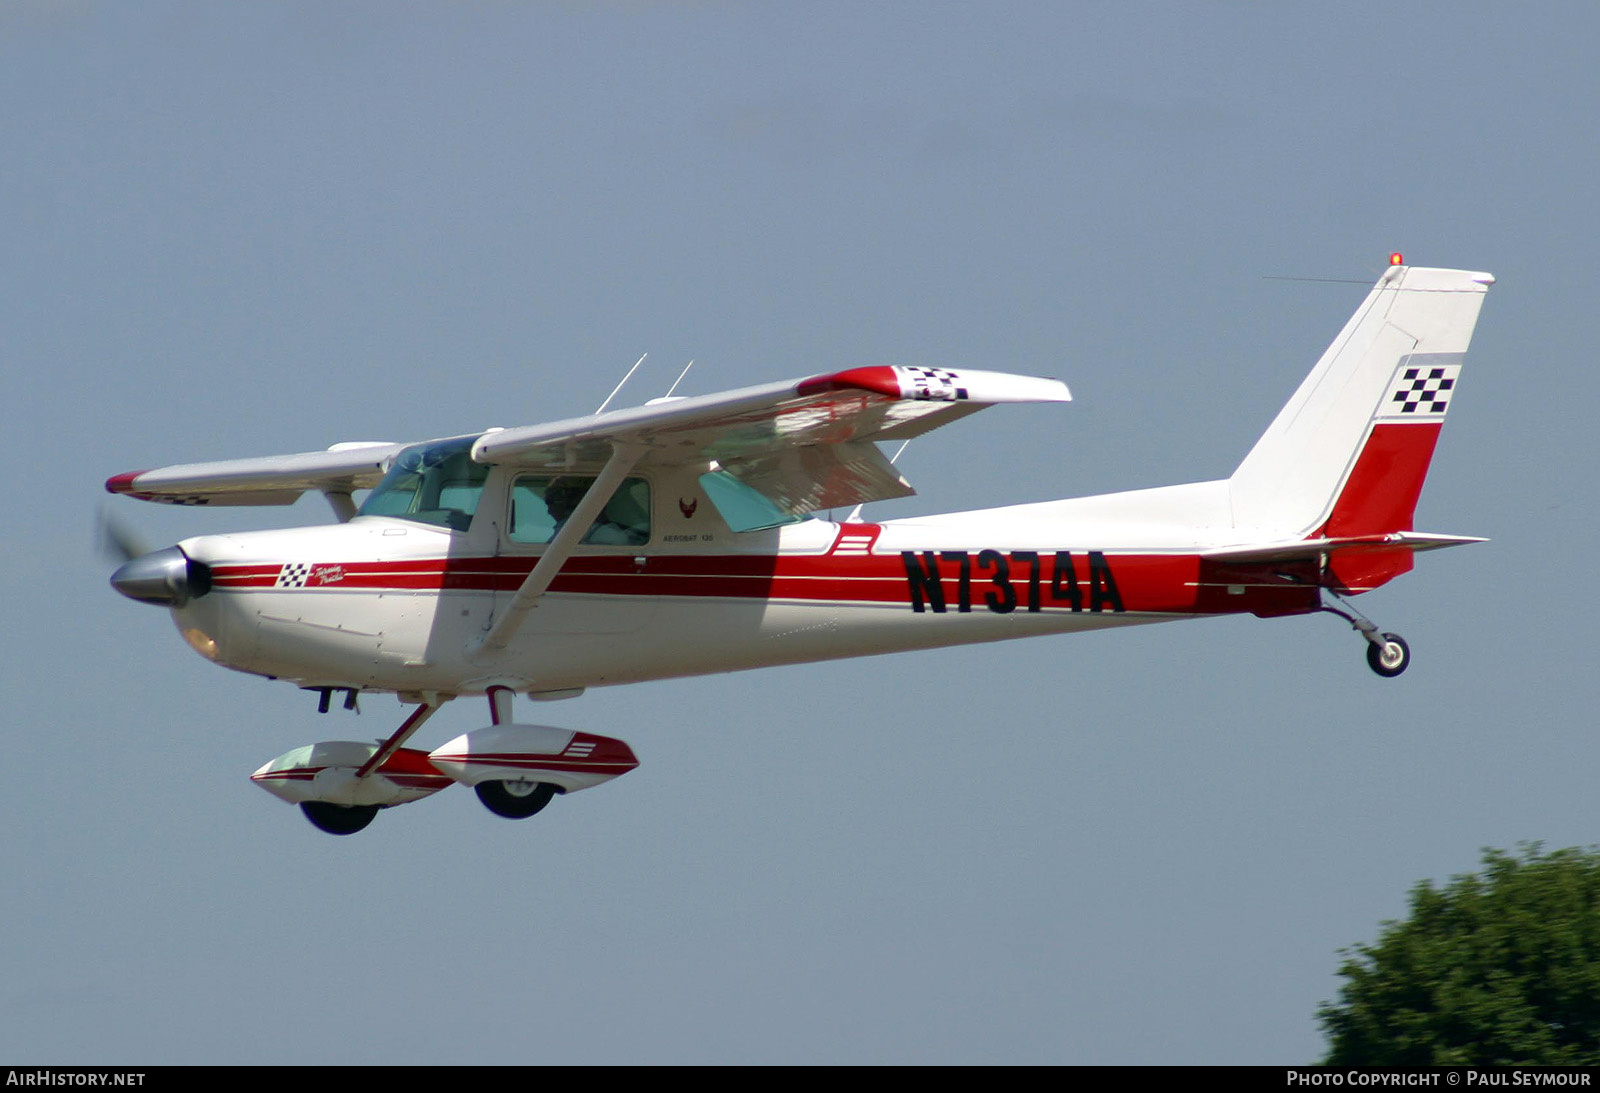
(678, 538)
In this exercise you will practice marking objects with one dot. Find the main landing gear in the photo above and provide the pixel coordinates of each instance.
(338, 819)
(515, 800)
(512, 798)
(515, 769)
(1387, 654)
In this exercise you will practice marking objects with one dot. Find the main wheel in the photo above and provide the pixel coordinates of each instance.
(1391, 658)
(515, 800)
(338, 819)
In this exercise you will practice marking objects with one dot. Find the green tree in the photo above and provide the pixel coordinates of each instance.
(1498, 967)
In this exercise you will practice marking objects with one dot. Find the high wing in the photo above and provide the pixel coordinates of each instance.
(805, 445)
(267, 480)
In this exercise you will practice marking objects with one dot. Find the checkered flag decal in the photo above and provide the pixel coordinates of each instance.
(930, 383)
(293, 575)
(1421, 391)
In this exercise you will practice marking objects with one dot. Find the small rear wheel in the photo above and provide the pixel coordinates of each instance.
(338, 819)
(515, 800)
(1391, 658)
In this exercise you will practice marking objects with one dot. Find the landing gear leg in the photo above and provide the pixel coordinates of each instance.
(1387, 654)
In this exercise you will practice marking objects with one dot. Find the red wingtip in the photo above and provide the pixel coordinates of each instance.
(122, 483)
(879, 380)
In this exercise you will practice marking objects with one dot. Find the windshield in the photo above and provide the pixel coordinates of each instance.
(434, 483)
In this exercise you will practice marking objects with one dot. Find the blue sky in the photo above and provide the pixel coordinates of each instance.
(240, 230)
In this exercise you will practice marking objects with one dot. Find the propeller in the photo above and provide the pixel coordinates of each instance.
(167, 577)
(116, 540)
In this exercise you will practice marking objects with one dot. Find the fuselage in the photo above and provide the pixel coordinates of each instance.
(390, 604)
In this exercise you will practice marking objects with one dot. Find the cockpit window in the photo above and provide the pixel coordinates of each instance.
(432, 484)
(540, 505)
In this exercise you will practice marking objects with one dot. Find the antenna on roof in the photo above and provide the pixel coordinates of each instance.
(619, 386)
(679, 380)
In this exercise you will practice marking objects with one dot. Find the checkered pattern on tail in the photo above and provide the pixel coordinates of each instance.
(1420, 391)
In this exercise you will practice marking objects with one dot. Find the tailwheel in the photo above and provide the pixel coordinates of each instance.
(1389, 656)
(515, 800)
(338, 819)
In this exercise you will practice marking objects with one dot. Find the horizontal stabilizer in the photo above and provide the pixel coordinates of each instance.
(1311, 549)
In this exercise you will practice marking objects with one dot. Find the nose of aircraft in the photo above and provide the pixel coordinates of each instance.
(167, 577)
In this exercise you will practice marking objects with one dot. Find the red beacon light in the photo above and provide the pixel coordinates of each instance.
(1397, 259)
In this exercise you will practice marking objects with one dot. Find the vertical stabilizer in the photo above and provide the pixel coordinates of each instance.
(1348, 454)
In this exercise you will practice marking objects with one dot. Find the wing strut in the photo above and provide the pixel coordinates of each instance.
(400, 736)
(623, 457)
(344, 506)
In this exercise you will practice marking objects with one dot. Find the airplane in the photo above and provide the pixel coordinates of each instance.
(683, 537)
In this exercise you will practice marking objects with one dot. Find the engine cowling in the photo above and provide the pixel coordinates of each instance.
(326, 772)
(534, 753)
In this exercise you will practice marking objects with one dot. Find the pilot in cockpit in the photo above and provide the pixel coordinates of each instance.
(561, 499)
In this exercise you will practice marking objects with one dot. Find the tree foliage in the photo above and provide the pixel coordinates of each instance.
(1498, 967)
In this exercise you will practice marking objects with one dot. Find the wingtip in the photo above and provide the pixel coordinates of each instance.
(123, 483)
(877, 379)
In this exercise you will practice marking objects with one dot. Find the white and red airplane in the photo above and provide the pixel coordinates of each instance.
(675, 539)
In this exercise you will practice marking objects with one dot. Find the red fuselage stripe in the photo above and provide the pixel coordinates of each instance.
(950, 580)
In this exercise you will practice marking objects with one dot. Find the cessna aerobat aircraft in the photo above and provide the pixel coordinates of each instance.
(678, 538)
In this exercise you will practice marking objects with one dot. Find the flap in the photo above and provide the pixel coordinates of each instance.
(821, 476)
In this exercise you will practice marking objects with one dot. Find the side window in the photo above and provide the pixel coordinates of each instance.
(540, 505)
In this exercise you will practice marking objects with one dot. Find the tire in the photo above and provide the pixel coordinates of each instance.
(338, 819)
(1391, 658)
(515, 800)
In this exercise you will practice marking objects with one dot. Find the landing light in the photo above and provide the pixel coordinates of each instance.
(201, 642)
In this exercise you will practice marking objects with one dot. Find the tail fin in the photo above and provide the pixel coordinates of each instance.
(1347, 455)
